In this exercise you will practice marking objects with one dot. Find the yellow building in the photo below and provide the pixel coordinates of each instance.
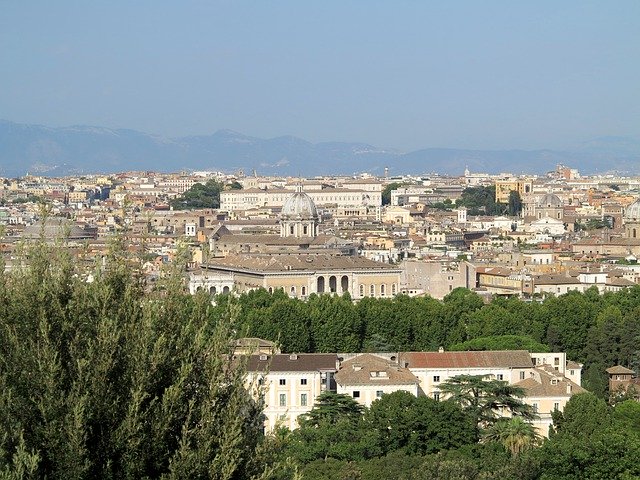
(505, 187)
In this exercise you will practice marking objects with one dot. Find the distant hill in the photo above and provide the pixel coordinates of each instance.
(86, 149)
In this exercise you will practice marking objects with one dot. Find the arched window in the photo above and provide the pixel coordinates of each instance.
(344, 283)
(225, 290)
(320, 286)
(372, 290)
(304, 290)
(361, 290)
(333, 284)
(383, 289)
(305, 230)
(270, 289)
(394, 289)
(213, 290)
(293, 290)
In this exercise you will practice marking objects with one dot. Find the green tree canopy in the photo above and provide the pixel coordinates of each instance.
(481, 200)
(501, 342)
(486, 398)
(514, 206)
(104, 379)
(515, 434)
(199, 196)
(386, 192)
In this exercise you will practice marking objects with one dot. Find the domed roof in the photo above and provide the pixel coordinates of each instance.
(549, 200)
(55, 228)
(632, 212)
(299, 205)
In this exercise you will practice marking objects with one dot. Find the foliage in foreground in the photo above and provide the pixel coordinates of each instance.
(592, 441)
(104, 380)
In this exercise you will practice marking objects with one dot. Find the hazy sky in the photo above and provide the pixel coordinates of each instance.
(403, 74)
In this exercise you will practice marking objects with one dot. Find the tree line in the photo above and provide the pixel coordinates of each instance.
(101, 377)
(404, 437)
(596, 330)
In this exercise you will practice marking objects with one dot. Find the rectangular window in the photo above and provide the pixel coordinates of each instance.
(303, 399)
(556, 406)
(283, 381)
(283, 399)
(379, 393)
(303, 381)
(535, 407)
(500, 376)
(356, 394)
(436, 396)
(436, 378)
(521, 375)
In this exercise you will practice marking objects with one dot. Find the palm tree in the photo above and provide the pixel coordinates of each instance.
(514, 433)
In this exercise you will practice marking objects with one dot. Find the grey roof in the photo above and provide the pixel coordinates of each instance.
(56, 228)
(287, 262)
(285, 362)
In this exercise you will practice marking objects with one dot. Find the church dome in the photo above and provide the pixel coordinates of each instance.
(299, 205)
(632, 212)
(549, 200)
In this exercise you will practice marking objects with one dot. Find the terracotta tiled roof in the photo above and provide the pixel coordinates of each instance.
(484, 359)
(368, 369)
(301, 362)
(549, 385)
(619, 370)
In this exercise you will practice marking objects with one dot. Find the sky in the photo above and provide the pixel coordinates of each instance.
(397, 74)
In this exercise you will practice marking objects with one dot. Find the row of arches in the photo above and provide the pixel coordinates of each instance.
(214, 290)
(322, 286)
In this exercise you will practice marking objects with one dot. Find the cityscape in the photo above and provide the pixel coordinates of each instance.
(422, 263)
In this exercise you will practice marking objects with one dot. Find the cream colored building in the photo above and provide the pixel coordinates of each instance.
(549, 380)
(547, 390)
(233, 200)
(300, 275)
(291, 383)
(366, 377)
(434, 368)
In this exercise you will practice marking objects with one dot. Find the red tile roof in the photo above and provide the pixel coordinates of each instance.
(484, 359)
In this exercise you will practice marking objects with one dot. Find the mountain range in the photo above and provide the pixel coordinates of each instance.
(62, 151)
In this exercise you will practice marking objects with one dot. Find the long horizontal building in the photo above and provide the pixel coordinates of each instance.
(298, 274)
(233, 200)
(292, 382)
